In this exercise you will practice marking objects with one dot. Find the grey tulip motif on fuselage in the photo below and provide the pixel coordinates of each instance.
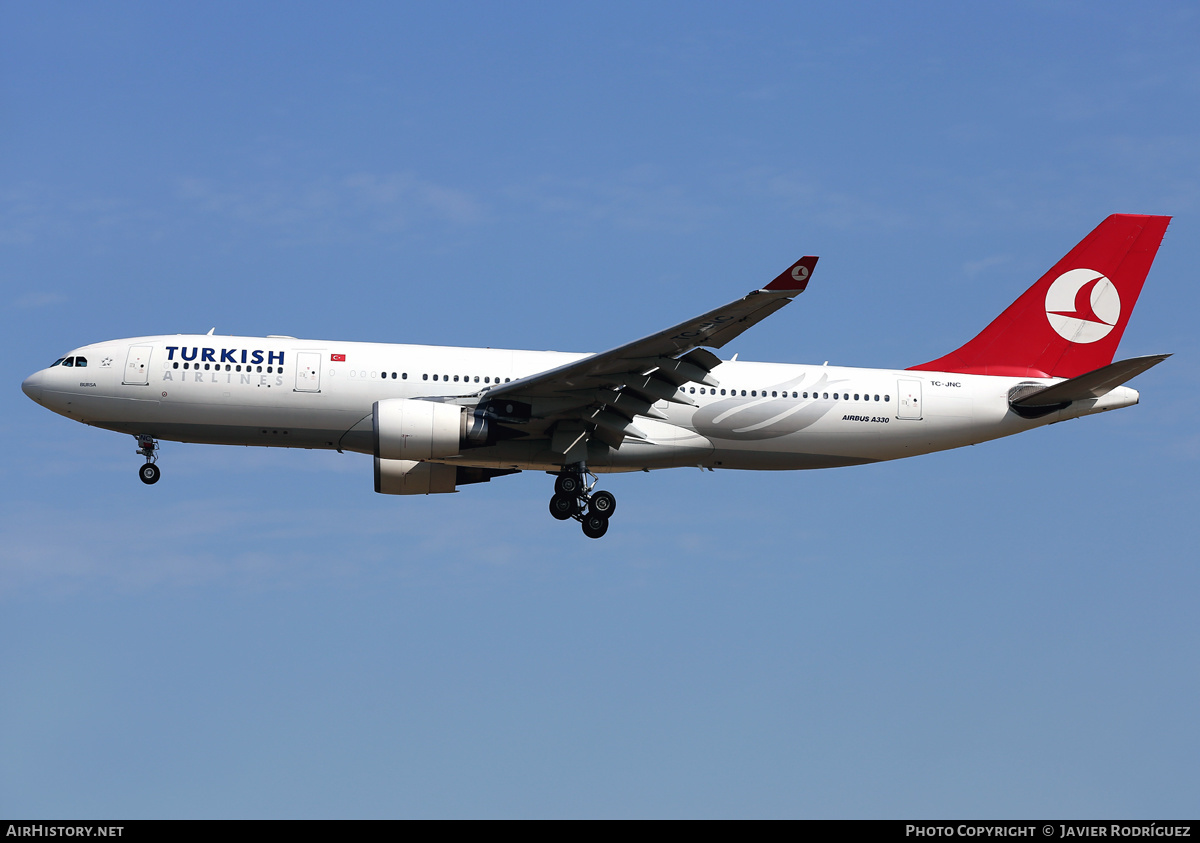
(765, 417)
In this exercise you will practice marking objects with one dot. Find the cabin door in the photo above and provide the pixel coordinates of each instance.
(908, 394)
(308, 371)
(137, 365)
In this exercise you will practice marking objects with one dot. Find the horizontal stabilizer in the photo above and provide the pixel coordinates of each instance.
(1091, 385)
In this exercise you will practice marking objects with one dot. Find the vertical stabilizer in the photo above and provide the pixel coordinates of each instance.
(1071, 321)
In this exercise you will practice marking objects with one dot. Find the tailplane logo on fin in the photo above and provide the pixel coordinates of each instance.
(1082, 305)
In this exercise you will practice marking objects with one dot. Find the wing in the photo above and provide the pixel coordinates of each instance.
(599, 396)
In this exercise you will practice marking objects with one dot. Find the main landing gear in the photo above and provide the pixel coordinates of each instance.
(573, 498)
(149, 473)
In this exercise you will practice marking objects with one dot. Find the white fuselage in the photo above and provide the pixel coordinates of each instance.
(280, 391)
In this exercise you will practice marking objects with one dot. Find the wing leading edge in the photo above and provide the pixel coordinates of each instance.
(601, 394)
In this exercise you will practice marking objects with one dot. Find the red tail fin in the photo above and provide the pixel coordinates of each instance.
(1069, 322)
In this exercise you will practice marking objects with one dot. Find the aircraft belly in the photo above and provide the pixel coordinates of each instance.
(633, 455)
(230, 434)
(206, 413)
(88, 407)
(755, 460)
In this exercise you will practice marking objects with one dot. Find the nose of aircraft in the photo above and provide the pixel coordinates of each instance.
(32, 386)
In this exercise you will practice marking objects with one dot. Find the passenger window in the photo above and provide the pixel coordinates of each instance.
(722, 392)
(827, 395)
(404, 376)
(743, 393)
(887, 398)
(856, 396)
(435, 377)
(456, 378)
(692, 390)
(774, 394)
(876, 397)
(425, 377)
(175, 365)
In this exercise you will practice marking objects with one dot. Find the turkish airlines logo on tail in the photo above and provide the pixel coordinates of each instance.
(1082, 305)
(800, 272)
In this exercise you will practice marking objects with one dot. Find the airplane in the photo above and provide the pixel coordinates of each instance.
(435, 418)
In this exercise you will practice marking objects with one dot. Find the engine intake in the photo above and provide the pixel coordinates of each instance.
(417, 430)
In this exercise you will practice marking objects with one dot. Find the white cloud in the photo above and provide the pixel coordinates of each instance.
(637, 198)
(337, 207)
(32, 300)
(974, 268)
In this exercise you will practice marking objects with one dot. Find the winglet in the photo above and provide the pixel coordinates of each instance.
(795, 277)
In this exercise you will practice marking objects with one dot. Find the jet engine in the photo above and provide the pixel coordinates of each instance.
(408, 432)
(418, 430)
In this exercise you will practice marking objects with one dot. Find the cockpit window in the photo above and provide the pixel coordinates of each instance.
(70, 361)
(80, 362)
(57, 362)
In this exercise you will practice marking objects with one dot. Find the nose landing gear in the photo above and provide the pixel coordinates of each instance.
(573, 498)
(147, 446)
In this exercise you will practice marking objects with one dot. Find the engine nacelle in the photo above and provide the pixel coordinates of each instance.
(417, 430)
(407, 432)
(410, 477)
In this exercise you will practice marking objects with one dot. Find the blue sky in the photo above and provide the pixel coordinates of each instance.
(1004, 630)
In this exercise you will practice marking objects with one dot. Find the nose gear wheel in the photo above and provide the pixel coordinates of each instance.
(148, 447)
